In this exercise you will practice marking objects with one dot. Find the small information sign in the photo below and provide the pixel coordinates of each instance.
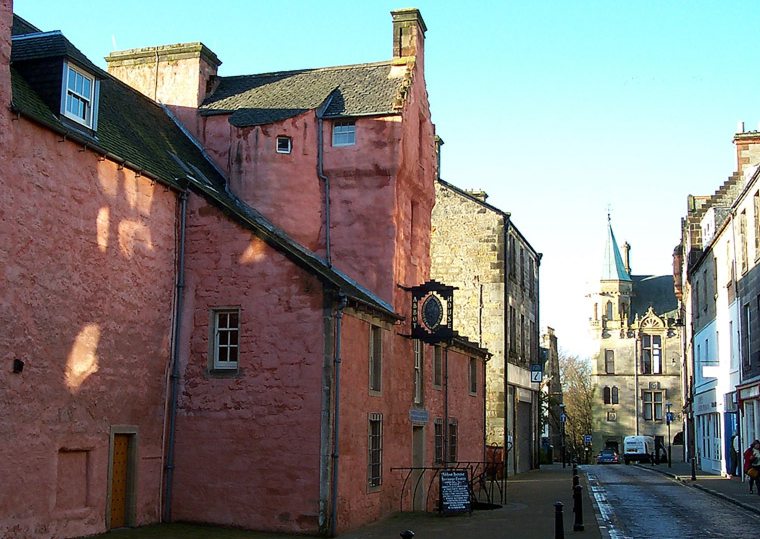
(454, 492)
(586, 438)
(536, 373)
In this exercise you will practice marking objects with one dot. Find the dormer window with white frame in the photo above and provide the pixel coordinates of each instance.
(79, 96)
(344, 133)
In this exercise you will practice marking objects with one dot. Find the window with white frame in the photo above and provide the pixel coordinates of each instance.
(375, 358)
(473, 378)
(79, 95)
(226, 338)
(375, 450)
(651, 354)
(344, 133)
(418, 362)
(284, 144)
(437, 367)
(652, 405)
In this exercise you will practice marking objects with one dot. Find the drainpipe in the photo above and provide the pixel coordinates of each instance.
(321, 174)
(175, 356)
(336, 414)
(505, 351)
(446, 405)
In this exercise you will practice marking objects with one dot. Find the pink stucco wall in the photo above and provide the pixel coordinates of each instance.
(248, 445)
(87, 261)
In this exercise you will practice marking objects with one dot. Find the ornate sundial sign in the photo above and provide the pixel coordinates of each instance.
(432, 312)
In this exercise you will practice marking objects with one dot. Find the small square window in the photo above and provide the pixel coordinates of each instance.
(284, 144)
(344, 133)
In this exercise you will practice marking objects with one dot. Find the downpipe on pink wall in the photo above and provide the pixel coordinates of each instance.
(341, 304)
(174, 377)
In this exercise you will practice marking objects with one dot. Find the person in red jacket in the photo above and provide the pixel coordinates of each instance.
(752, 464)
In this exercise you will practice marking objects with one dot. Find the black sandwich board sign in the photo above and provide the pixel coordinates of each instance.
(454, 492)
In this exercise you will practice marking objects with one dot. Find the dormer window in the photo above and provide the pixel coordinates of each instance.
(79, 96)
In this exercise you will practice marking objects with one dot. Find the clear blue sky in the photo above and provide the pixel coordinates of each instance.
(558, 109)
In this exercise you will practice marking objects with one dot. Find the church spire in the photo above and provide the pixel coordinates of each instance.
(613, 268)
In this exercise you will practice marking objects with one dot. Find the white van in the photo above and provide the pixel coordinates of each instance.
(638, 449)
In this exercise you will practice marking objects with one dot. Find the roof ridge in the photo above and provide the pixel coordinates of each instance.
(309, 70)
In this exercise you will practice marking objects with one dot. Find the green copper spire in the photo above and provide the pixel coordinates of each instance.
(613, 268)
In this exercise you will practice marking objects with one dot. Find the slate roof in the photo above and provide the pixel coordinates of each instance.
(356, 90)
(654, 291)
(139, 133)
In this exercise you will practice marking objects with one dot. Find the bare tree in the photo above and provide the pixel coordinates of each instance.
(577, 396)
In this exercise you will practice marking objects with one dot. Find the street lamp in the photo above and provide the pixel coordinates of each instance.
(669, 418)
(562, 419)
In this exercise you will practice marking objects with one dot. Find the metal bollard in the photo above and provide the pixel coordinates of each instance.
(576, 481)
(559, 526)
(575, 468)
(578, 508)
(693, 469)
(407, 534)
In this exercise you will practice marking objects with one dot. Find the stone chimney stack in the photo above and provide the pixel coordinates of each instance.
(408, 33)
(627, 257)
(180, 76)
(747, 150)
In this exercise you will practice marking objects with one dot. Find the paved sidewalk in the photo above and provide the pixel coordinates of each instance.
(529, 513)
(731, 489)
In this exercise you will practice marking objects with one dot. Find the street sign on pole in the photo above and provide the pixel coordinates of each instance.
(586, 438)
(536, 373)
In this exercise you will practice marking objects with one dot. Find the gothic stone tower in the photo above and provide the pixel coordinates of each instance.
(636, 370)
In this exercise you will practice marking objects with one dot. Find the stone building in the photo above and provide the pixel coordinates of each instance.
(202, 313)
(551, 390)
(636, 372)
(477, 247)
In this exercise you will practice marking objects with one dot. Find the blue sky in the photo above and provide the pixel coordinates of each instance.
(559, 110)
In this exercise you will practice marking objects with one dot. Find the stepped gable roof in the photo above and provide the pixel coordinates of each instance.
(355, 90)
(140, 134)
(613, 268)
(654, 291)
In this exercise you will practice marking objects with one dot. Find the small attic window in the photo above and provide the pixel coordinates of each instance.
(79, 96)
(344, 133)
(284, 144)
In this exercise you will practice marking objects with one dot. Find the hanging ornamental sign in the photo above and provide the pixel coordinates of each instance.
(432, 312)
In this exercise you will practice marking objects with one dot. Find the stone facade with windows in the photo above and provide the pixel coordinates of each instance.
(636, 371)
(477, 248)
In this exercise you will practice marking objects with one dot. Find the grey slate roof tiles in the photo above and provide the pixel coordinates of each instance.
(135, 129)
(357, 90)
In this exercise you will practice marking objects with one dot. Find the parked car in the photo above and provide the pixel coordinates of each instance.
(607, 456)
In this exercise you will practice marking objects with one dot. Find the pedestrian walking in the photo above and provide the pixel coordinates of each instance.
(735, 450)
(752, 465)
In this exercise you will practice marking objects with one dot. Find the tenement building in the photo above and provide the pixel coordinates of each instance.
(477, 247)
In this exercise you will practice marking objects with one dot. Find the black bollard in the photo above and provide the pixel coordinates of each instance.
(576, 481)
(693, 469)
(578, 508)
(575, 468)
(407, 534)
(559, 526)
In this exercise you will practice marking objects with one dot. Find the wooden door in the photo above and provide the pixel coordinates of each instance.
(119, 481)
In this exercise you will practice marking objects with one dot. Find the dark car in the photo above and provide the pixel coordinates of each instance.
(608, 456)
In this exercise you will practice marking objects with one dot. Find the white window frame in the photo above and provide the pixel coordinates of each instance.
(419, 357)
(90, 101)
(473, 376)
(344, 133)
(286, 139)
(219, 327)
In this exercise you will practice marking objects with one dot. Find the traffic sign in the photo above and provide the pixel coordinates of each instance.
(536, 373)
(586, 438)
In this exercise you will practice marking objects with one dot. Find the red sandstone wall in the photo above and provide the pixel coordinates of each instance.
(87, 254)
(248, 446)
(283, 187)
(6, 20)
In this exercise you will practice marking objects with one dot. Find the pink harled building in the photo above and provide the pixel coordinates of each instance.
(206, 301)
